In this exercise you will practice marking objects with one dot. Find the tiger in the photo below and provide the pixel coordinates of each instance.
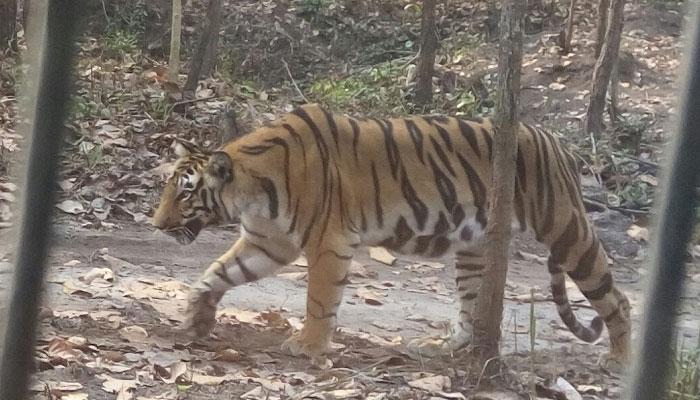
(322, 184)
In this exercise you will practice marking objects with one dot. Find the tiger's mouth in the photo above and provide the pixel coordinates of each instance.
(185, 234)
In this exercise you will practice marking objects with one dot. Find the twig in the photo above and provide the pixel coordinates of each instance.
(357, 373)
(598, 205)
(289, 73)
(104, 9)
(170, 109)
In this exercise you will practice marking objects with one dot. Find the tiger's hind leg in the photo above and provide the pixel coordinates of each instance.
(244, 262)
(469, 271)
(579, 254)
(328, 275)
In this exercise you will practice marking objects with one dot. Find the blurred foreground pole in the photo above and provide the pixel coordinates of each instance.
(677, 213)
(52, 88)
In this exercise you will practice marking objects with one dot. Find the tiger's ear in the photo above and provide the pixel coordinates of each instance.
(183, 148)
(219, 169)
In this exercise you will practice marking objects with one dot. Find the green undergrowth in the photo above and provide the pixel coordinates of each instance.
(381, 90)
(685, 375)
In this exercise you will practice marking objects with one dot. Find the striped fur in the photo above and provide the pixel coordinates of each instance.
(325, 184)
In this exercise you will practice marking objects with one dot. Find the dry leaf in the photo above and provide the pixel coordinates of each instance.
(244, 316)
(569, 391)
(74, 396)
(382, 255)
(71, 207)
(301, 262)
(432, 384)
(370, 296)
(104, 274)
(133, 333)
(649, 179)
(638, 233)
(229, 355)
(556, 86)
(112, 385)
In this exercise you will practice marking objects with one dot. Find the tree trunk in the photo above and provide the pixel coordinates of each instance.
(569, 28)
(426, 61)
(8, 18)
(229, 124)
(489, 304)
(603, 9)
(210, 34)
(26, 6)
(176, 27)
(603, 68)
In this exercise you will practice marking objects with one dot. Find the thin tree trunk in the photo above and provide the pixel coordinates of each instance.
(8, 17)
(229, 124)
(603, 68)
(569, 28)
(613, 108)
(210, 32)
(602, 25)
(25, 13)
(428, 48)
(489, 304)
(209, 61)
(176, 27)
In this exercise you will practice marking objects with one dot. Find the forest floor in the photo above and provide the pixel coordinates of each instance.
(116, 288)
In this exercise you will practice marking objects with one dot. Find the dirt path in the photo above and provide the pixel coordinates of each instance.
(120, 296)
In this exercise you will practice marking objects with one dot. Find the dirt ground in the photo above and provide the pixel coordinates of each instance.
(114, 301)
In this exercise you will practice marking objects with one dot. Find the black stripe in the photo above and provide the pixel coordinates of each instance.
(355, 136)
(333, 128)
(298, 139)
(606, 284)
(267, 253)
(252, 232)
(469, 267)
(392, 150)
(470, 136)
(444, 185)
(295, 215)
(248, 275)
(443, 157)
(307, 231)
(254, 150)
(468, 296)
(269, 187)
(440, 247)
(445, 136)
(420, 210)
(322, 148)
(416, 137)
(402, 234)
(223, 274)
(559, 250)
(586, 264)
(477, 188)
(282, 143)
(467, 277)
(489, 142)
(377, 197)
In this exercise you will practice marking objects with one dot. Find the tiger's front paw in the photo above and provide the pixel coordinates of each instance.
(438, 346)
(200, 316)
(614, 362)
(304, 343)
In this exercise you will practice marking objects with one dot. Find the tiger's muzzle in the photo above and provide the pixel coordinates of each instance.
(187, 233)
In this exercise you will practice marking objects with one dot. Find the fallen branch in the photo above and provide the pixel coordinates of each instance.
(289, 73)
(596, 205)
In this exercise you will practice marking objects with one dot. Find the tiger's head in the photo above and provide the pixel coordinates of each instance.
(191, 197)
